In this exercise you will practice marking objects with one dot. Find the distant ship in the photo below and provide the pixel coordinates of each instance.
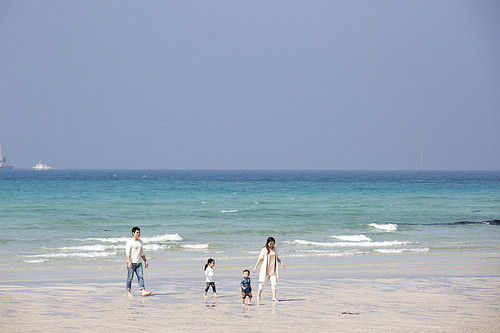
(41, 166)
(4, 165)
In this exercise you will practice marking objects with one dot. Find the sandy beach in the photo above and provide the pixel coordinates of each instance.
(430, 294)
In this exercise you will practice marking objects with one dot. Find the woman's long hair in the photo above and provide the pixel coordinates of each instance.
(269, 239)
(209, 261)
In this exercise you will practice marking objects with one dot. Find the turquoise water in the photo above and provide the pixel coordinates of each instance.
(79, 216)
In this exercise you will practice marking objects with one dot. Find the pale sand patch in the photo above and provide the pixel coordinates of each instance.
(311, 298)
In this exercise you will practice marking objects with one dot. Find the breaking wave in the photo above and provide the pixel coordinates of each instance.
(353, 238)
(384, 227)
(351, 244)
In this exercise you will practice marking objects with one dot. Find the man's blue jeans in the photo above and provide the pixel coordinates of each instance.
(137, 268)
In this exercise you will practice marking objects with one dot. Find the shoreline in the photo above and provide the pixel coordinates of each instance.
(379, 266)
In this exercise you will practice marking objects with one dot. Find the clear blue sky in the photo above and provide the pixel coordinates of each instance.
(339, 85)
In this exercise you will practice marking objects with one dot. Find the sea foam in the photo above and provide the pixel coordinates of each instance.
(353, 238)
(154, 247)
(398, 251)
(105, 240)
(88, 248)
(36, 261)
(162, 238)
(344, 244)
(76, 254)
(157, 238)
(195, 246)
(384, 227)
(322, 253)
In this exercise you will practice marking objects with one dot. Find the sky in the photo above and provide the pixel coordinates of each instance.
(333, 85)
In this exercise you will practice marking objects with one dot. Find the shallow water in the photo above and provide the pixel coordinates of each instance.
(84, 216)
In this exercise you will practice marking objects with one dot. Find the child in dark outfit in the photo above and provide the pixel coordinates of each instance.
(246, 288)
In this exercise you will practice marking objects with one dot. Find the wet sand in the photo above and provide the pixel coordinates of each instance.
(421, 296)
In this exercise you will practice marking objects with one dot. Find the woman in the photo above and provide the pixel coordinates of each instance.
(269, 268)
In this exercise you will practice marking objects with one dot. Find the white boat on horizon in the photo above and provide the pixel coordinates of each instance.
(41, 166)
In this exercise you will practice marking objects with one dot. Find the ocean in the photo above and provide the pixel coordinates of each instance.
(63, 217)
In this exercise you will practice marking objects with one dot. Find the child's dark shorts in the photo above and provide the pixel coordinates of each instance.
(244, 295)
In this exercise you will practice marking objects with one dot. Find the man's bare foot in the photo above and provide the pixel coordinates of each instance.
(216, 296)
(146, 293)
(275, 300)
(129, 294)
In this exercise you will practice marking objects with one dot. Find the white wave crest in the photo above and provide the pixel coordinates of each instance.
(353, 238)
(195, 246)
(77, 254)
(424, 249)
(229, 211)
(154, 247)
(385, 227)
(320, 253)
(388, 251)
(345, 244)
(105, 240)
(162, 238)
(87, 248)
(158, 238)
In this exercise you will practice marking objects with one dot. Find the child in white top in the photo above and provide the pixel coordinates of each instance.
(209, 273)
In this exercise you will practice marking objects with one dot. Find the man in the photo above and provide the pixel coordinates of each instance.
(134, 252)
